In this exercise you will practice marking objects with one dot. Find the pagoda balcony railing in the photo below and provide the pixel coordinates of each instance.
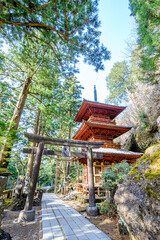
(112, 145)
(104, 120)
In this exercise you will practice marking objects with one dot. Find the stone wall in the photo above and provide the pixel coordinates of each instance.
(138, 198)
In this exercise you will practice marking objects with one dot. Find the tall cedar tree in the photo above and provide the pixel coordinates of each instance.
(147, 14)
(119, 83)
(68, 27)
(25, 67)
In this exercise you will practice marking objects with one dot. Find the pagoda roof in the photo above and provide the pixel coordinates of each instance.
(113, 155)
(85, 110)
(117, 152)
(86, 128)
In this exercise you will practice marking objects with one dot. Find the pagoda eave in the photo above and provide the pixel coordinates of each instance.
(112, 158)
(89, 108)
(98, 130)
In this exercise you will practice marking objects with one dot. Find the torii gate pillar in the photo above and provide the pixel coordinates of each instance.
(28, 214)
(92, 210)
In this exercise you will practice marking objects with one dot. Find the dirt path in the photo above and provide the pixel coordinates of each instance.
(25, 231)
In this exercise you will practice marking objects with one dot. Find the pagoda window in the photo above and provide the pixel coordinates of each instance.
(97, 170)
(98, 179)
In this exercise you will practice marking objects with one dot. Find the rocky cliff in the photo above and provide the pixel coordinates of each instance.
(138, 198)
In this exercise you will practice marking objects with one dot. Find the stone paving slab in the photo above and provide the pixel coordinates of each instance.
(62, 222)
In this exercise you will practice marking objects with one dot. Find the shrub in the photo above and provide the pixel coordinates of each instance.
(108, 208)
(115, 176)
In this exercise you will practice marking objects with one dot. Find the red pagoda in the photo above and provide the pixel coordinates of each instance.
(98, 124)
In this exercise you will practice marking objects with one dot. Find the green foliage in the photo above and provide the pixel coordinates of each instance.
(6, 107)
(68, 106)
(51, 189)
(45, 48)
(17, 167)
(108, 208)
(55, 99)
(7, 135)
(68, 28)
(144, 120)
(45, 40)
(47, 172)
(115, 176)
(21, 63)
(112, 178)
(3, 170)
(73, 172)
(148, 18)
(2, 127)
(8, 202)
(118, 83)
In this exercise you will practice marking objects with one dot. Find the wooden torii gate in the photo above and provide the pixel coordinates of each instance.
(28, 213)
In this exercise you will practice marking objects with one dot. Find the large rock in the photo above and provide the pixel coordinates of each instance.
(138, 198)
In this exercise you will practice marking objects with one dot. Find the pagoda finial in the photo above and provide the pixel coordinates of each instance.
(95, 93)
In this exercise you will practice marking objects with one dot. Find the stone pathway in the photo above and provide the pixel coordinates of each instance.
(61, 222)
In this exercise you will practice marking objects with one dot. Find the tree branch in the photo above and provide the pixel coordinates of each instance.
(41, 25)
(48, 45)
(26, 9)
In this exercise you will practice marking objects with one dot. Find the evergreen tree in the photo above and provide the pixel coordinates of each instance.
(24, 67)
(119, 83)
(69, 28)
(147, 15)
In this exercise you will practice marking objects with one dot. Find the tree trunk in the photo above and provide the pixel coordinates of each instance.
(31, 156)
(57, 175)
(14, 123)
(51, 182)
(69, 137)
(34, 178)
(42, 126)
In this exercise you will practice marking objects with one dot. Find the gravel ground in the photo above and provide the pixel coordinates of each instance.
(19, 231)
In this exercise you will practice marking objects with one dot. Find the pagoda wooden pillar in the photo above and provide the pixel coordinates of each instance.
(92, 210)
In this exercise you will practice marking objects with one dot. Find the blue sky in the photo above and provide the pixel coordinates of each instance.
(116, 27)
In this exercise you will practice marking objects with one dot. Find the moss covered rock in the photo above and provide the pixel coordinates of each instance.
(138, 198)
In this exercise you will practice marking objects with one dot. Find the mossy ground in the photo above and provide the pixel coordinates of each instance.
(2, 170)
(7, 202)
